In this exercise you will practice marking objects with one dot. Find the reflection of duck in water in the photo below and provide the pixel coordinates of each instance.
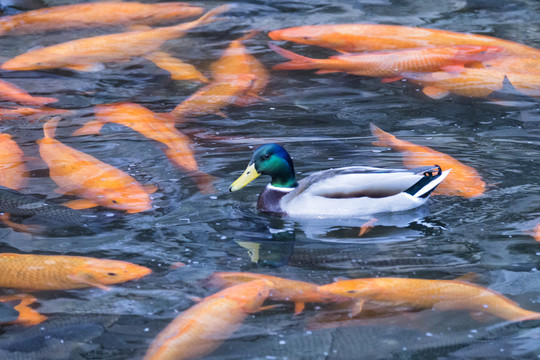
(343, 192)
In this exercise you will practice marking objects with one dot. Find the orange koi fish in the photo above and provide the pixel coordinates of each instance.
(463, 180)
(137, 117)
(85, 54)
(62, 272)
(373, 37)
(389, 63)
(438, 294)
(213, 97)
(459, 80)
(30, 114)
(98, 183)
(299, 292)
(236, 62)
(27, 315)
(13, 171)
(94, 14)
(14, 93)
(536, 232)
(202, 328)
(179, 70)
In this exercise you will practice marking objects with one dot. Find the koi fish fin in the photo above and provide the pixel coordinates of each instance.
(90, 128)
(150, 188)
(176, 265)
(531, 315)
(391, 79)
(31, 229)
(356, 308)
(82, 280)
(297, 62)
(249, 35)
(468, 277)
(222, 114)
(481, 316)
(384, 138)
(80, 204)
(86, 67)
(328, 71)
(27, 315)
(194, 298)
(299, 307)
(269, 307)
(367, 226)
(435, 92)
(178, 69)
(49, 129)
(252, 249)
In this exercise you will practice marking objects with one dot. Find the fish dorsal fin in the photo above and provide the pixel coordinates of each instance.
(468, 278)
(49, 129)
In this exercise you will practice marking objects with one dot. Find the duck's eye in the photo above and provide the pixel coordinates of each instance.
(266, 156)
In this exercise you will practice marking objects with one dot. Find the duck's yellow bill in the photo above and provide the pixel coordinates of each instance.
(248, 176)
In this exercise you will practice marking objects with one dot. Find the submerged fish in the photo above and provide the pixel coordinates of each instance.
(463, 82)
(153, 126)
(11, 92)
(375, 37)
(463, 180)
(13, 171)
(179, 70)
(27, 316)
(536, 232)
(213, 97)
(60, 272)
(389, 63)
(94, 14)
(281, 289)
(422, 293)
(202, 328)
(85, 54)
(236, 62)
(98, 183)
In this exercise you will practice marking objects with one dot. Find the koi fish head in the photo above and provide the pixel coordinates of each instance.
(100, 272)
(319, 35)
(33, 60)
(130, 201)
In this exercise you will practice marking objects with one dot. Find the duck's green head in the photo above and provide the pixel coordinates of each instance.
(269, 159)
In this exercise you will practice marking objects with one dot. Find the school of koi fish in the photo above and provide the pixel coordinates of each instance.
(439, 62)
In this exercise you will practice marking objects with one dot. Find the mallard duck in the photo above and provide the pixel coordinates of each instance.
(343, 192)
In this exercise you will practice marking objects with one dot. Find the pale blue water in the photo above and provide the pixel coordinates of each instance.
(323, 120)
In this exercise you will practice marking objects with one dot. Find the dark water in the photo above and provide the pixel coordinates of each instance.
(323, 120)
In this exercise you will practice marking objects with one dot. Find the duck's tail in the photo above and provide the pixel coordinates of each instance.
(425, 186)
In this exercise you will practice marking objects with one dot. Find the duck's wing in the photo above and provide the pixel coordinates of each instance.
(361, 181)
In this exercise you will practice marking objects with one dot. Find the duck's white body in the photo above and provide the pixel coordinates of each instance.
(351, 192)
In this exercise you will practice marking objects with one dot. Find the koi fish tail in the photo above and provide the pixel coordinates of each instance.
(388, 140)
(90, 128)
(49, 128)
(525, 315)
(210, 16)
(425, 186)
(297, 61)
(182, 158)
